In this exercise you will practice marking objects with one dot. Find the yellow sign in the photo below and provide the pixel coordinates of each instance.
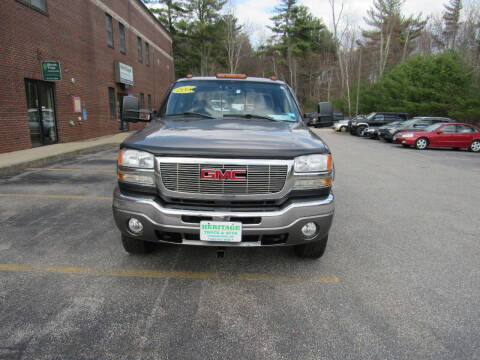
(184, 90)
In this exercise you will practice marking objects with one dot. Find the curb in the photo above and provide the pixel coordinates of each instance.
(9, 169)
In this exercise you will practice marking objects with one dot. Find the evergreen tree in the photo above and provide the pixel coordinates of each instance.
(392, 34)
(451, 19)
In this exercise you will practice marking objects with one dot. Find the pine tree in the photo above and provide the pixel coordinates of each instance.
(451, 19)
(392, 33)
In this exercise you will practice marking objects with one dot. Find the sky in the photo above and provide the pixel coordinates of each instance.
(257, 13)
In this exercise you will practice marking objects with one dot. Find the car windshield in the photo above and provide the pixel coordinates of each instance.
(433, 127)
(409, 122)
(370, 116)
(230, 99)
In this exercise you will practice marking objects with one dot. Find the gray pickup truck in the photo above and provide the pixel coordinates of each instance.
(227, 161)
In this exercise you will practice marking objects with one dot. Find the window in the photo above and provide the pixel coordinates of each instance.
(40, 5)
(108, 19)
(464, 129)
(149, 102)
(139, 48)
(142, 101)
(448, 129)
(111, 103)
(121, 32)
(147, 53)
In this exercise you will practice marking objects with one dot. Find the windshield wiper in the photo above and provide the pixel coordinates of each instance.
(249, 116)
(188, 113)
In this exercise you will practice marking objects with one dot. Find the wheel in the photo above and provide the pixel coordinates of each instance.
(313, 250)
(343, 128)
(475, 146)
(135, 246)
(360, 130)
(421, 143)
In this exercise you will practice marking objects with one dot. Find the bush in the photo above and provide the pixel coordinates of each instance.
(426, 85)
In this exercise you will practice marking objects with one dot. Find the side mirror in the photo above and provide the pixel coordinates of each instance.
(131, 111)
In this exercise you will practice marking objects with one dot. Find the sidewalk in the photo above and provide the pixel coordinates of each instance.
(39, 156)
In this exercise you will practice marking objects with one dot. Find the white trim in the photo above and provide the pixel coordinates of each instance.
(125, 23)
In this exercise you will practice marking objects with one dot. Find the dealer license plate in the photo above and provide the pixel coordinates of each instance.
(220, 231)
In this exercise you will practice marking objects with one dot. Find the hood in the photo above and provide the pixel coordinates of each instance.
(247, 138)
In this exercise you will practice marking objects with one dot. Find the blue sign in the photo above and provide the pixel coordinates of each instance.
(84, 114)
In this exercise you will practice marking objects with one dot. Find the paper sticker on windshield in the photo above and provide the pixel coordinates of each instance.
(184, 90)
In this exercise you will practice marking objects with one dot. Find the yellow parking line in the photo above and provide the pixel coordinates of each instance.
(139, 273)
(72, 170)
(52, 196)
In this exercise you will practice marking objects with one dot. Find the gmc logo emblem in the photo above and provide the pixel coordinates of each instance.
(223, 174)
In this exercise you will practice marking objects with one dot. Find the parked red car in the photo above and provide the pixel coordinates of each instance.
(456, 135)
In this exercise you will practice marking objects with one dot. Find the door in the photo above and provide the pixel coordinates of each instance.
(123, 125)
(445, 136)
(41, 112)
(465, 135)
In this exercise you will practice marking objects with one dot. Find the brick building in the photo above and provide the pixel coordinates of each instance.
(65, 64)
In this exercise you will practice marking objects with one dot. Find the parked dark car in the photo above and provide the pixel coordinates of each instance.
(416, 124)
(338, 116)
(323, 117)
(375, 119)
(371, 132)
(453, 135)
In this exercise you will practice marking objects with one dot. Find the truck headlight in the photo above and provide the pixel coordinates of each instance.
(135, 159)
(136, 167)
(313, 172)
(313, 163)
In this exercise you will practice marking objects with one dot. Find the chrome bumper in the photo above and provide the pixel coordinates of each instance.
(287, 220)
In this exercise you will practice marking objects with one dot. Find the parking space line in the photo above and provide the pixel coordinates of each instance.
(73, 170)
(150, 274)
(48, 196)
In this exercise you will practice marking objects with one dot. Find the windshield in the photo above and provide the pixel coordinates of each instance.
(409, 122)
(226, 99)
(370, 116)
(397, 123)
(433, 127)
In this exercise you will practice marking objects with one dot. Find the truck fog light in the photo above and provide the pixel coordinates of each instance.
(135, 226)
(309, 229)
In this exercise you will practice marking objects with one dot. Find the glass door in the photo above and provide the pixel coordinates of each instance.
(41, 112)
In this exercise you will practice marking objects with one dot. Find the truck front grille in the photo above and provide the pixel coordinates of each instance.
(260, 179)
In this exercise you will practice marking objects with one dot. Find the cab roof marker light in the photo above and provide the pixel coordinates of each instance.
(189, 76)
(274, 78)
(231, 76)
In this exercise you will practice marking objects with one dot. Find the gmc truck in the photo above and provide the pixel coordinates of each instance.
(227, 161)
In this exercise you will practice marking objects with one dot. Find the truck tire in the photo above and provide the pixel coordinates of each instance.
(359, 131)
(136, 246)
(313, 250)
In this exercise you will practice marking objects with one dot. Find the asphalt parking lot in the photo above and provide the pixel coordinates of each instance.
(400, 278)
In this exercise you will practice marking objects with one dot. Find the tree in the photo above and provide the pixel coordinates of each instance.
(427, 85)
(235, 39)
(451, 18)
(392, 33)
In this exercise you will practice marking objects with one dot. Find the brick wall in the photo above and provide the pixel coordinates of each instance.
(74, 33)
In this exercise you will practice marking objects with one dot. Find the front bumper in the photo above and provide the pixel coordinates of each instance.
(404, 141)
(259, 228)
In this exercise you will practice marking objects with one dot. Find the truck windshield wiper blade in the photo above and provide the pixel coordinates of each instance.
(188, 113)
(249, 116)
